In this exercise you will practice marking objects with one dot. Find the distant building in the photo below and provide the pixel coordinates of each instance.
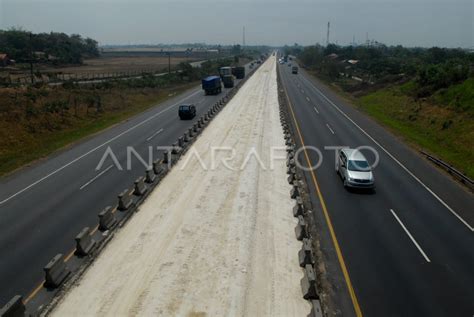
(333, 56)
(353, 61)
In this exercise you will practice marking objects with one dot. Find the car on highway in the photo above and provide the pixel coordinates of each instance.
(187, 111)
(294, 70)
(354, 169)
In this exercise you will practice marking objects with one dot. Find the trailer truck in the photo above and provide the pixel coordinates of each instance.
(224, 71)
(212, 85)
(228, 81)
(239, 72)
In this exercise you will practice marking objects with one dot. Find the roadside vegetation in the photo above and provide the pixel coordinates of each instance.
(425, 95)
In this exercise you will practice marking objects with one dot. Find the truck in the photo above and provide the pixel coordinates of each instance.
(228, 81)
(212, 85)
(294, 70)
(223, 71)
(238, 72)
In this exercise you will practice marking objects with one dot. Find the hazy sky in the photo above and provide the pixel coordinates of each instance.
(407, 22)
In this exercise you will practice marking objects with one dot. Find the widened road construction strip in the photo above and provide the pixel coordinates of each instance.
(210, 240)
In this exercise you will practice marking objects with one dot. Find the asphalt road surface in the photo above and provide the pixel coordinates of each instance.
(408, 248)
(43, 207)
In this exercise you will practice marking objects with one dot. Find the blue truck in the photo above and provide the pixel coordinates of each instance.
(212, 85)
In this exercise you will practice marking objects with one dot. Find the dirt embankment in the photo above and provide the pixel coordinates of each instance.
(208, 241)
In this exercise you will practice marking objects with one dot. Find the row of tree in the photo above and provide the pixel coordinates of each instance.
(56, 48)
(431, 68)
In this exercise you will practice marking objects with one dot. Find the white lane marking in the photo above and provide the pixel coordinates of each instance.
(96, 148)
(308, 99)
(154, 134)
(332, 131)
(200, 101)
(302, 91)
(393, 158)
(96, 177)
(410, 236)
(316, 110)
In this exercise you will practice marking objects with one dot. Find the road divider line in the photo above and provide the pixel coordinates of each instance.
(332, 232)
(69, 256)
(96, 148)
(34, 292)
(395, 159)
(307, 98)
(154, 134)
(96, 177)
(315, 109)
(410, 236)
(327, 125)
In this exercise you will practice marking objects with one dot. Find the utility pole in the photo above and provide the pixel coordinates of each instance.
(31, 59)
(327, 35)
(243, 40)
(169, 63)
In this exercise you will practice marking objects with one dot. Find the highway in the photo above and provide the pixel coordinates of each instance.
(43, 207)
(408, 248)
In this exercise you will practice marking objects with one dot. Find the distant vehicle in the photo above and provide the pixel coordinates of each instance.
(223, 71)
(187, 111)
(238, 72)
(354, 169)
(294, 70)
(228, 81)
(259, 61)
(290, 58)
(212, 85)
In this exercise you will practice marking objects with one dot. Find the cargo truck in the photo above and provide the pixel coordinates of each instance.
(223, 71)
(212, 85)
(228, 81)
(238, 72)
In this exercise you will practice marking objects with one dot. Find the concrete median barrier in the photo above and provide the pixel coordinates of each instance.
(139, 186)
(14, 308)
(181, 141)
(308, 283)
(300, 229)
(291, 179)
(84, 242)
(195, 128)
(125, 200)
(176, 149)
(150, 175)
(295, 192)
(186, 138)
(298, 209)
(107, 220)
(166, 157)
(56, 272)
(305, 255)
(316, 310)
(190, 132)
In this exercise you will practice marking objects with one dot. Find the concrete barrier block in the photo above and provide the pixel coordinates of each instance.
(150, 175)
(195, 128)
(298, 209)
(139, 186)
(295, 192)
(56, 271)
(84, 242)
(190, 132)
(308, 284)
(300, 229)
(175, 148)
(290, 148)
(291, 179)
(14, 308)
(165, 157)
(186, 137)
(181, 141)
(316, 310)
(107, 219)
(124, 200)
(305, 255)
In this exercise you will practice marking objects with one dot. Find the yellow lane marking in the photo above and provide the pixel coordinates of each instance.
(34, 292)
(352, 294)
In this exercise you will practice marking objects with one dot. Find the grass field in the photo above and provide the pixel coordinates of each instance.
(37, 133)
(442, 125)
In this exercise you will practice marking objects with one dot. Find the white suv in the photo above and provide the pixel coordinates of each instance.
(354, 169)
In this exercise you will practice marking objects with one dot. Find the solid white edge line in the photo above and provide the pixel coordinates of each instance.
(95, 149)
(411, 237)
(327, 125)
(155, 134)
(393, 158)
(96, 177)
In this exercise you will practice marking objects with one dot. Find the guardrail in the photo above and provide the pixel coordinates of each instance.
(451, 170)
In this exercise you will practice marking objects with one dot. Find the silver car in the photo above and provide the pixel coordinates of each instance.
(354, 169)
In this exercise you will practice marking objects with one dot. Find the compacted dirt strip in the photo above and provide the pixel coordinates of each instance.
(210, 240)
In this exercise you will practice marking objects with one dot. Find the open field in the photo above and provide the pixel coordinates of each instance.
(42, 128)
